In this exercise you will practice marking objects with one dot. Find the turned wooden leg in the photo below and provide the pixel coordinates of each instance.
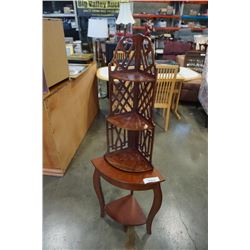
(98, 190)
(155, 206)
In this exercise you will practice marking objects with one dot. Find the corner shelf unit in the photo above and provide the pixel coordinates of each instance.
(130, 128)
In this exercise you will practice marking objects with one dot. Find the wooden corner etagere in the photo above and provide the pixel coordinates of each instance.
(130, 128)
(130, 133)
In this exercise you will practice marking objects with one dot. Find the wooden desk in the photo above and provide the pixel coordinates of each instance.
(126, 210)
(68, 111)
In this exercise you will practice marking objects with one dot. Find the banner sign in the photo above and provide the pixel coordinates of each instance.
(88, 8)
(98, 4)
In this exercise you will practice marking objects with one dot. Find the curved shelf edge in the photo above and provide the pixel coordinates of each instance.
(126, 211)
(128, 160)
(131, 75)
(130, 121)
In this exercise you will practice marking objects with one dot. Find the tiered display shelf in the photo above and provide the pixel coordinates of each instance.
(130, 129)
(130, 133)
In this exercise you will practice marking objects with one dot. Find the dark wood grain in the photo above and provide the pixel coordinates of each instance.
(98, 190)
(155, 206)
(130, 132)
(132, 85)
(129, 159)
(130, 121)
(126, 211)
(134, 76)
(123, 177)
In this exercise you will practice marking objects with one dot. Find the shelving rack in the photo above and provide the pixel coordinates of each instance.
(130, 133)
(62, 15)
(59, 15)
(179, 16)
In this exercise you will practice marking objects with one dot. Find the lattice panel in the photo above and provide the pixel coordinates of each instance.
(132, 82)
(126, 58)
(121, 96)
(145, 97)
(124, 54)
(147, 57)
(117, 138)
(145, 143)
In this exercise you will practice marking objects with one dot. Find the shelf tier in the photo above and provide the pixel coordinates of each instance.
(126, 211)
(199, 29)
(130, 121)
(167, 1)
(156, 28)
(129, 160)
(166, 28)
(59, 15)
(195, 17)
(132, 75)
(154, 16)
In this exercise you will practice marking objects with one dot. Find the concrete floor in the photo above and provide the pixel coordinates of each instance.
(71, 210)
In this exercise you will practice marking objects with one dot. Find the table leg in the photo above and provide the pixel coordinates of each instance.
(98, 190)
(176, 100)
(155, 206)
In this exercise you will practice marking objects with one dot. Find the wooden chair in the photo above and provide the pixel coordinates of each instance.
(166, 78)
(120, 55)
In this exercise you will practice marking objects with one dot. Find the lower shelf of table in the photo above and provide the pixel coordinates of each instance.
(129, 159)
(126, 211)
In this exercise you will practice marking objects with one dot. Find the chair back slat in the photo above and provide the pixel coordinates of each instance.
(166, 78)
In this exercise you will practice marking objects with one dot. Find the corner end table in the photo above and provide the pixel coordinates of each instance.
(126, 210)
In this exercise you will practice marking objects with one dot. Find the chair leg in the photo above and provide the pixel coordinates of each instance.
(163, 113)
(167, 119)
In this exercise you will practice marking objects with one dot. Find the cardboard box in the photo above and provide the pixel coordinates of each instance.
(55, 63)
